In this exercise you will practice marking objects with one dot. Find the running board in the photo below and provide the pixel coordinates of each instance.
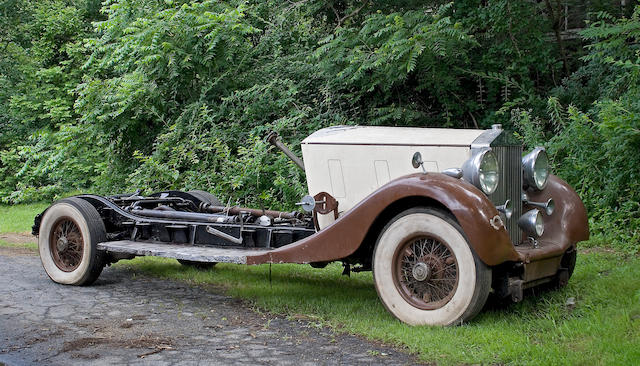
(181, 251)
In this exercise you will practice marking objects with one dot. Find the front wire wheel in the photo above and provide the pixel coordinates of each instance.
(426, 273)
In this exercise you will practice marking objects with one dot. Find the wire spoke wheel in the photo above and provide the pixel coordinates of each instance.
(69, 233)
(426, 272)
(66, 244)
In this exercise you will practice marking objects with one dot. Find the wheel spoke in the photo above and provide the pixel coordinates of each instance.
(66, 244)
(427, 254)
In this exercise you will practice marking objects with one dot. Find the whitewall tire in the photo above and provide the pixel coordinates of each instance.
(426, 273)
(70, 231)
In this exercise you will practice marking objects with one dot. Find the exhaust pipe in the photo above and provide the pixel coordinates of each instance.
(272, 138)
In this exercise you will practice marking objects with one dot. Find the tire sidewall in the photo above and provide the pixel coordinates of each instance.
(396, 233)
(52, 215)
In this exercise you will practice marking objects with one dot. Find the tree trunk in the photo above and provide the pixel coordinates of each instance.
(555, 18)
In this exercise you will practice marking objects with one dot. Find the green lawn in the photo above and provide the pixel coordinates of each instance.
(19, 218)
(602, 329)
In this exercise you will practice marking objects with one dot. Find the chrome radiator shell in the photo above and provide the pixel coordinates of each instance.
(508, 150)
(510, 186)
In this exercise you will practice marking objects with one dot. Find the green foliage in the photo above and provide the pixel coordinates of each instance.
(596, 151)
(373, 60)
(179, 94)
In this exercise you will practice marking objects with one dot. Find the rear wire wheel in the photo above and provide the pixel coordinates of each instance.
(66, 244)
(69, 234)
(426, 273)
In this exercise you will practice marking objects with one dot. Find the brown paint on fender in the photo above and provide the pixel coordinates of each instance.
(472, 209)
(565, 227)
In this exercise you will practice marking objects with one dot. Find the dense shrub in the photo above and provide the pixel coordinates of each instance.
(597, 150)
(179, 94)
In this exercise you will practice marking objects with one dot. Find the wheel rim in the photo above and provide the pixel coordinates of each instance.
(425, 272)
(66, 244)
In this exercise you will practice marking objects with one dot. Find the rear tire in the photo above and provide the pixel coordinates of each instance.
(426, 273)
(205, 197)
(69, 234)
(196, 264)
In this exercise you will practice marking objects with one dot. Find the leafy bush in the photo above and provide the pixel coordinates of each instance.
(179, 94)
(597, 151)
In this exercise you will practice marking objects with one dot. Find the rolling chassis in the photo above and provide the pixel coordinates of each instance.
(437, 244)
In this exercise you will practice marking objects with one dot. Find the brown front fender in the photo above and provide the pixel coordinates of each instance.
(472, 209)
(567, 225)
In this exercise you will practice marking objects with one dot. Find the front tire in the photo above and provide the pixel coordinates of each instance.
(69, 234)
(426, 273)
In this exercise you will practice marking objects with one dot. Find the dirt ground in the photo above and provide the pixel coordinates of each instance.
(18, 238)
(129, 319)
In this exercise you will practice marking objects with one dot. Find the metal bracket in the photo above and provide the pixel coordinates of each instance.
(563, 276)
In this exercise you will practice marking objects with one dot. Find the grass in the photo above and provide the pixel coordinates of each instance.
(603, 328)
(19, 218)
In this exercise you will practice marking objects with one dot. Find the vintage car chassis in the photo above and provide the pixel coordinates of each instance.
(435, 242)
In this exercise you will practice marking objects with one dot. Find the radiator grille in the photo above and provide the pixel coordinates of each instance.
(510, 186)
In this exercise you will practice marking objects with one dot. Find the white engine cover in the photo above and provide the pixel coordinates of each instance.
(350, 162)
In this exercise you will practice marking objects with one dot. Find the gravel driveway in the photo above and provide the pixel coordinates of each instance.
(124, 320)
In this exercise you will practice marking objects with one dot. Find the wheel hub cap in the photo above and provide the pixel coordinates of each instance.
(62, 244)
(421, 271)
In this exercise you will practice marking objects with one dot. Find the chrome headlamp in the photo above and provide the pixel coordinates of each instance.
(482, 171)
(535, 167)
(532, 223)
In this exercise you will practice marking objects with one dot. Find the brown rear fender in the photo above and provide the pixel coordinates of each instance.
(471, 208)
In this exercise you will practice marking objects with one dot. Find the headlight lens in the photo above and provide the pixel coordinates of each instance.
(482, 171)
(535, 167)
(539, 225)
(488, 173)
